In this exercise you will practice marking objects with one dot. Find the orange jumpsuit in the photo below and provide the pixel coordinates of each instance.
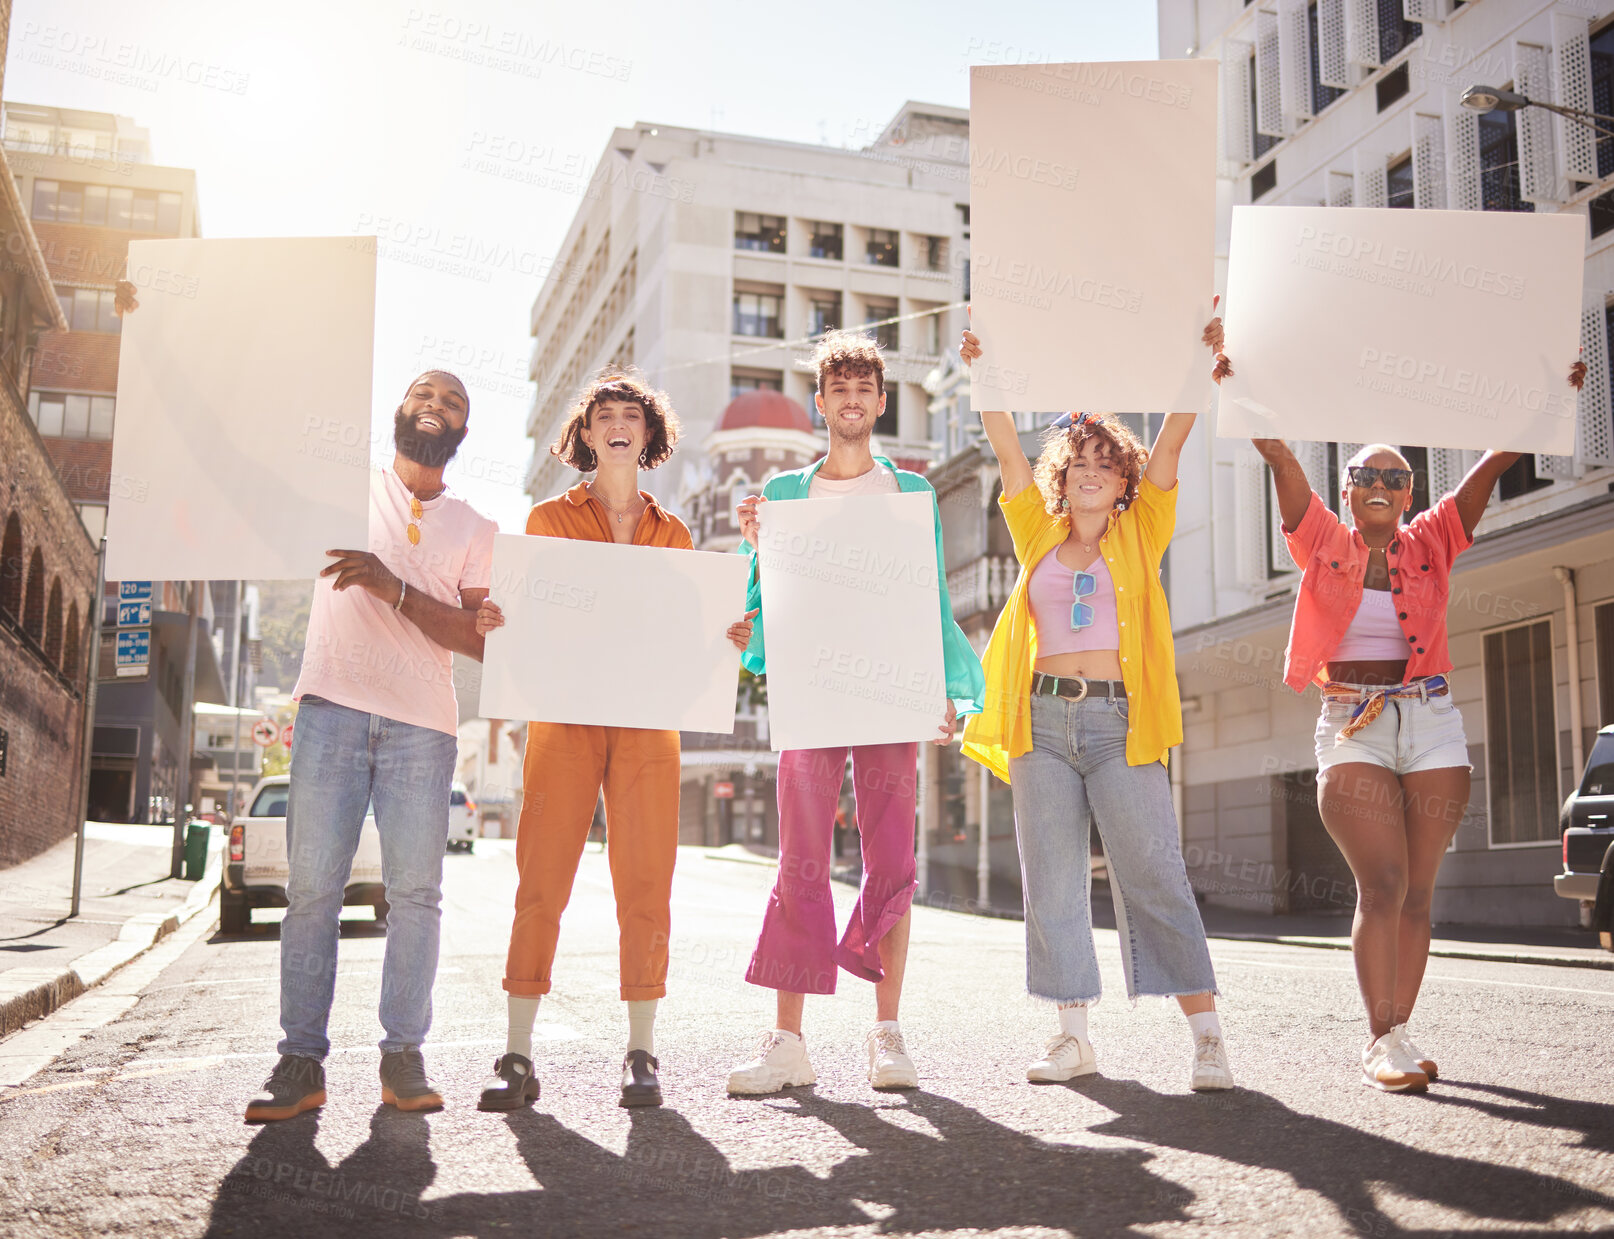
(566, 765)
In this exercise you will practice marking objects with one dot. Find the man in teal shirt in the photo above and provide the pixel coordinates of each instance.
(797, 953)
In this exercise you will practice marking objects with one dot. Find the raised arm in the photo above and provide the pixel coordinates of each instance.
(1474, 491)
(1168, 444)
(1000, 433)
(1294, 490)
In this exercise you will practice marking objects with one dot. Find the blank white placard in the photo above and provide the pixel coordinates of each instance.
(1092, 234)
(241, 448)
(616, 636)
(852, 620)
(1429, 328)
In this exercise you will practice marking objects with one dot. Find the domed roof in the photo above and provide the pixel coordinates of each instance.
(772, 409)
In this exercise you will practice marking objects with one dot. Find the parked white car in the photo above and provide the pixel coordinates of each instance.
(462, 823)
(256, 871)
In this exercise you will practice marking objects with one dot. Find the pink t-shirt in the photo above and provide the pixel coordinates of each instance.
(877, 481)
(361, 653)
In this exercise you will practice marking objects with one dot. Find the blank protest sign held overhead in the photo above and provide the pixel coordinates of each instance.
(611, 635)
(852, 617)
(242, 442)
(1092, 221)
(1432, 328)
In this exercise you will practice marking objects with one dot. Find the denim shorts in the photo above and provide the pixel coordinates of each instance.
(1411, 734)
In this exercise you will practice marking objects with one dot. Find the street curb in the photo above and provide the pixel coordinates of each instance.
(1478, 953)
(26, 994)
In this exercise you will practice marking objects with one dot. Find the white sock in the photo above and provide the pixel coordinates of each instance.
(642, 1025)
(523, 1015)
(1073, 1019)
(785, 1032)
(891, 1024)
(1203, 1023)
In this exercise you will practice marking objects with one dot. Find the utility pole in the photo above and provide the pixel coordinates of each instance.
(92, 681)
(187, 733)
(235, 700)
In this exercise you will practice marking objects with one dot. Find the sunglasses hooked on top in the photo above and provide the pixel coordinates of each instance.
(1065, 420)
(1081, 615)
(1365, 475)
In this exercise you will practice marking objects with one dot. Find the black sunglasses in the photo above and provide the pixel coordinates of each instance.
(1365, 475)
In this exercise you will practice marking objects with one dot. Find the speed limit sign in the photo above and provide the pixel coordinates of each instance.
(264, 733)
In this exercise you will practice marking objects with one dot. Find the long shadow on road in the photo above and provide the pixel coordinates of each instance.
(966, 1171)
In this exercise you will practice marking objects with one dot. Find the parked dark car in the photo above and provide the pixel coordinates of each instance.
(1587, 822)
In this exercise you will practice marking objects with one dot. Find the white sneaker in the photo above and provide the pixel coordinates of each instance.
(1210, 1065)
(781, 1062)
(1425, 1063)
(889, 1064)
(1064, 1058)
(1386, 1065)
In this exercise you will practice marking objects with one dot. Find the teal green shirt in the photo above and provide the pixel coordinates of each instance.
(966, 684)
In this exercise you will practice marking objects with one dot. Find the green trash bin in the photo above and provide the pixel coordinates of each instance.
(196, 837)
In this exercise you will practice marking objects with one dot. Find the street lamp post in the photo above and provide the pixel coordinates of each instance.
(1484, 99)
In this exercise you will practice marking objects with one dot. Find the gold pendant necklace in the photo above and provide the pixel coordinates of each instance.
(619, 515)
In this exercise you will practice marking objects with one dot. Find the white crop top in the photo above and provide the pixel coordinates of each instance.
(1374, 634)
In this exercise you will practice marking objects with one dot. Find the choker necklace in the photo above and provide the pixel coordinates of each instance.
(620, 514)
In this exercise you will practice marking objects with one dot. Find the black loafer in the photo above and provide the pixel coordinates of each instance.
(640, 1087)
(513, 1084)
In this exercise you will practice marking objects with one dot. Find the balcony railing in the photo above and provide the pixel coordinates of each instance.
(981, 585)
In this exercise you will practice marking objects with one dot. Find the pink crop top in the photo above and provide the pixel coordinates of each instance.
(1374, 633)
(1051, 592)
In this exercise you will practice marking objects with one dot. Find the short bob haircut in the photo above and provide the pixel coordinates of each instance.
(850, 355)
(661, 423)
(1061, 446)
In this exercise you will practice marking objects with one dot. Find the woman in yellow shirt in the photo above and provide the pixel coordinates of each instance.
(1081, 706)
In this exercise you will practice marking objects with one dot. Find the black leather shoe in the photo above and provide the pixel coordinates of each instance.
(296, 1084)
(512, 1085)
(640, 1087)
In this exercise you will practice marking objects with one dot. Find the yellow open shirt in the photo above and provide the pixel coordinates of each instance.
(1132, 547)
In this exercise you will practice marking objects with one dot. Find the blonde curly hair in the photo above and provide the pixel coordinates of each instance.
(1061, 445)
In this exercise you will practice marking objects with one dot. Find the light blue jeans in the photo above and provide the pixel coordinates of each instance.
(1077, 764)
(341, 761)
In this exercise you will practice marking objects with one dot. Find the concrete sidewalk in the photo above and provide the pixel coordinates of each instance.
(127, 903)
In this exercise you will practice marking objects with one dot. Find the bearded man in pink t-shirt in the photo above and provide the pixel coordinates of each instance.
(376, 725)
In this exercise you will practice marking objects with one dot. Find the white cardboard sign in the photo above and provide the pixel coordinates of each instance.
(241, 448)
(1434, 328)
(852, 620)
(1093, 234)
(615, 636)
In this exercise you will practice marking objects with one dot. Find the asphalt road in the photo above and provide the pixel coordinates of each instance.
(136, 1128)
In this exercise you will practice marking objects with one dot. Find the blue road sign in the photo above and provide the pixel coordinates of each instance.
(134, 651)
(134, 614)
(134, 591)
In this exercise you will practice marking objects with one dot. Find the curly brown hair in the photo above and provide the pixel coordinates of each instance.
(1061, 446)
(851, 355)
(661, 423)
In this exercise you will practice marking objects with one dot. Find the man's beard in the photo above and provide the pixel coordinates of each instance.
(862, 433)
(433, 451)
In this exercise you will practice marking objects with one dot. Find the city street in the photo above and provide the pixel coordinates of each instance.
(137, 1127)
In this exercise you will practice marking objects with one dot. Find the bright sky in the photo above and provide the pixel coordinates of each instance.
(360, 116)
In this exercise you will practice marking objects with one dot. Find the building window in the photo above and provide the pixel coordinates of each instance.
(1260, 143)
(72, 415)
(1520, 478)
(1418, 459)
(759, 232)
(1521, 734)
(1398, 183)
(823, 313)
(1499, 166)
(1392, 86)
(1601, 208)
(827, 241)
(886, 424)
(1602, 49)
(882, 249)
(757, 314)
(89, 309)
(1603, 628)
(933, 253)
(1264, 180)
(1321, 95)
(1395, 31)
(742, 381)
(135, 210)
(885, 335)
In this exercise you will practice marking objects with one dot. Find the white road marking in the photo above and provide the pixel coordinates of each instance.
(1429, 976)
